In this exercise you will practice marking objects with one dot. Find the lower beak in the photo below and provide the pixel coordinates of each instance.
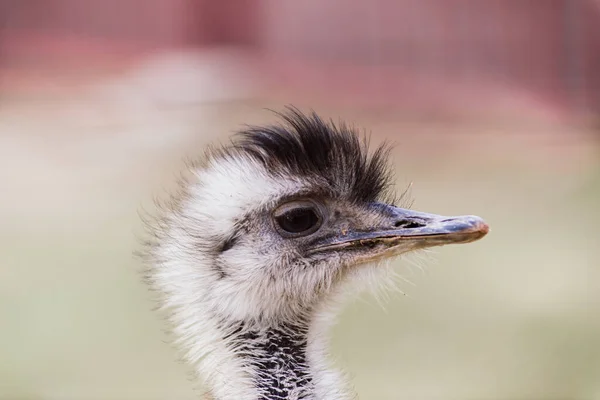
(421, 229)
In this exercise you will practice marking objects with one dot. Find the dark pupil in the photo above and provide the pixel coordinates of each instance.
(298, 220)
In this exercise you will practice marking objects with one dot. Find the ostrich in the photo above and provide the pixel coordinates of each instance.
(254, 254)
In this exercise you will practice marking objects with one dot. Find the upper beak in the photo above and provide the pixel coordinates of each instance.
(421, 229)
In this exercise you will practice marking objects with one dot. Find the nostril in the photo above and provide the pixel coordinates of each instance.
(408, 224)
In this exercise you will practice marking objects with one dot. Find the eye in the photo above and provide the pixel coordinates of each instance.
(298, 218)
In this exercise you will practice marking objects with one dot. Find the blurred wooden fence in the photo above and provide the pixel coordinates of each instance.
(550, 46)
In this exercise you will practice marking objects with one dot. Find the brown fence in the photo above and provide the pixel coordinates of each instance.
(550, 47)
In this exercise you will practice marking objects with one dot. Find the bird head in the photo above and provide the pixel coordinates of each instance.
(284, 216)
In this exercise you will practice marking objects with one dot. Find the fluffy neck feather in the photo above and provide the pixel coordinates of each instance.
(274, 361)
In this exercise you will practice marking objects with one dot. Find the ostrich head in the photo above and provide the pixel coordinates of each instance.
(258, 246)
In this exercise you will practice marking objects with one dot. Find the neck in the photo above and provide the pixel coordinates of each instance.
(277, 358)
(277, 361)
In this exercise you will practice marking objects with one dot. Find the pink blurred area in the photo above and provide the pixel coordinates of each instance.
(510, 57)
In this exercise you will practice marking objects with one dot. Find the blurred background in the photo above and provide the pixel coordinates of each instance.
(495, 109)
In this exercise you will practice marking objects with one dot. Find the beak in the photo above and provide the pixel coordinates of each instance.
(411, 230)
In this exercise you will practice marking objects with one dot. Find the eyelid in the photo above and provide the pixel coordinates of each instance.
(295, 204)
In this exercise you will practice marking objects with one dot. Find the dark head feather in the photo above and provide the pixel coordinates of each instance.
(307, 146)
